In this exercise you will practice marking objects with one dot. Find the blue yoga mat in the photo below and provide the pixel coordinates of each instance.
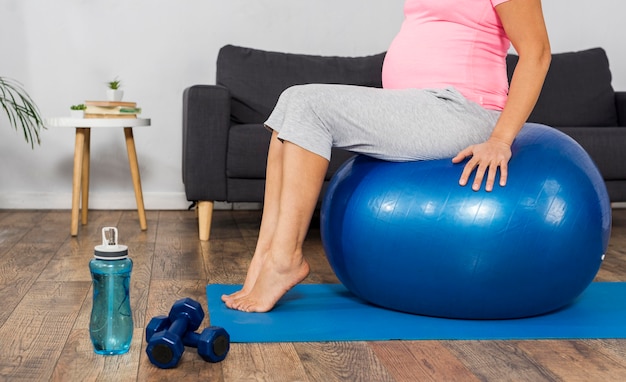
(328, 312)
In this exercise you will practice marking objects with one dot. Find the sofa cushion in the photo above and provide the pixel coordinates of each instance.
(605, 145)
(246, 156)
(577, 90)
(256, 78)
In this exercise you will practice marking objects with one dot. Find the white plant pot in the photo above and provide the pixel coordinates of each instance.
(115, 95)
(77, 114)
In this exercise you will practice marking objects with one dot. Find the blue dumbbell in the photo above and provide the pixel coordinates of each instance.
(213, 343)
(165, 342)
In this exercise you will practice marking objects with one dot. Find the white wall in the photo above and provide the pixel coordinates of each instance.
(64, 51)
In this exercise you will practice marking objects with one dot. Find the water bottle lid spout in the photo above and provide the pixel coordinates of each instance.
(110, 249)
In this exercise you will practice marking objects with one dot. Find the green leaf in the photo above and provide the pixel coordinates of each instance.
(21, 110)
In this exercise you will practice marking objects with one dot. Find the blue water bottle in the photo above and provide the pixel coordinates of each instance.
(111, 324)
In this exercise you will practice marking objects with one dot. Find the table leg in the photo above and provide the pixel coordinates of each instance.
(76, 181)
(85, 178)
(134, 172)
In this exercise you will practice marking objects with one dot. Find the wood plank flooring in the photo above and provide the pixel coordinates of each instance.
(45, 290)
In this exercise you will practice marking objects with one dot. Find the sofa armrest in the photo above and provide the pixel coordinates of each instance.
(206, 120)
(620, 105)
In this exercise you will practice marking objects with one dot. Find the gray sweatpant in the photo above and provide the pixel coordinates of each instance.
(395, 125)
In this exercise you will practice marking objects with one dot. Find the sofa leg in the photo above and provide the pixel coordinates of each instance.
(205, 215)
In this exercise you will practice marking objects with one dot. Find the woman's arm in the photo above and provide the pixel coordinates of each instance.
(524, 25)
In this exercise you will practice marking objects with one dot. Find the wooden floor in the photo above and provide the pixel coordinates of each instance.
(46, 300)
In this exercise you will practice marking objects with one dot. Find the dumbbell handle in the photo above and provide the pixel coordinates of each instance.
(191, 339)
(180, 326)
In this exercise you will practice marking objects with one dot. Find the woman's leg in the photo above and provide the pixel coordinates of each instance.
(284, 266)
(273, 183)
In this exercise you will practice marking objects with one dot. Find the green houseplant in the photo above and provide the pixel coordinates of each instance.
(113, 92)
(21, 110)
(115, 84)
(78, 107)
(78, 111)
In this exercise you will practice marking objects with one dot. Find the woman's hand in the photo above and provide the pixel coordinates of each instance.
(486, 158)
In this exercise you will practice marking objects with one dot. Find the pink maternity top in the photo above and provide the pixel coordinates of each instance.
(451, 43)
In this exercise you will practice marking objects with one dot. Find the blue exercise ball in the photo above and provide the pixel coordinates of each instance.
(406, 236)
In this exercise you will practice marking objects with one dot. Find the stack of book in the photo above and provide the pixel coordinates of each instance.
(111, 109)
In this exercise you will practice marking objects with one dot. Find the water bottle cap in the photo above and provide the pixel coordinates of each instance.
(110, 250)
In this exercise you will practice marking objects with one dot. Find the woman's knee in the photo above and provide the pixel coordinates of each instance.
(297, 89)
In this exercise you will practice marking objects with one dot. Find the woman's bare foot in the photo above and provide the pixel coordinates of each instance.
(272, 283)
(256, 264)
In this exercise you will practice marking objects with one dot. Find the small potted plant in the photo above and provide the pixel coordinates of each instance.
(78, 111)
(113, 92)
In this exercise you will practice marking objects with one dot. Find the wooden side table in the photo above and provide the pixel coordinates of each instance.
(80, 178)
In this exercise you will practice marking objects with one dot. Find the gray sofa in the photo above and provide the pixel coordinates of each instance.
(225, 143)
